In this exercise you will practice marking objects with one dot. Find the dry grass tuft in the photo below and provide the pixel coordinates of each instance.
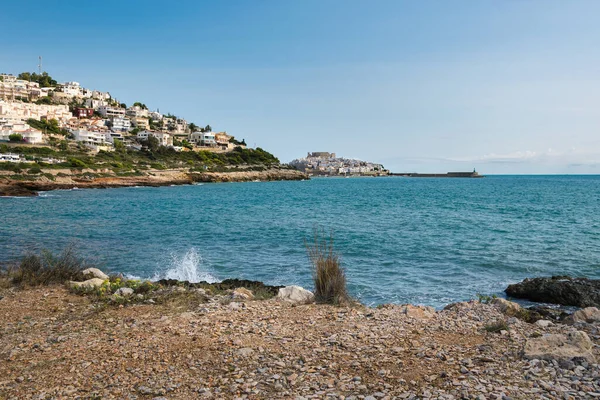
(47, 268)
(328, 274)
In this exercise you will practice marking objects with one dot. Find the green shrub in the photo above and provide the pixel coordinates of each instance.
(157, 166)
(485, 299)
(15, 137)
(77, 163)
(34, 170)
(328, 274)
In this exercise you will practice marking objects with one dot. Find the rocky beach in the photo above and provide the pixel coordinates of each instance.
(54, 179)
(224, 342)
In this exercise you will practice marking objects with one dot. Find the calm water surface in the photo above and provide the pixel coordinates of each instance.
(426, 241)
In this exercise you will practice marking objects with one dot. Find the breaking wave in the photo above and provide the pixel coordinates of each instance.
(187, 267)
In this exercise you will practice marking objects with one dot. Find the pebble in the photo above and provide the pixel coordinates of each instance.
(208, 349)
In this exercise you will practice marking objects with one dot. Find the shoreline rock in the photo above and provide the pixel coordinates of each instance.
(564, 290)
(152, 178)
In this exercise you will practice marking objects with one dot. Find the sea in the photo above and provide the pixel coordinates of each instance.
(429, 241)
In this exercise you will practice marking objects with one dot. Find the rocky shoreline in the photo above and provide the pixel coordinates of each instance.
(93, 179)
(220, 342)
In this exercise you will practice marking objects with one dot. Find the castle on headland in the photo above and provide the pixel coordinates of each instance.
(328, 164)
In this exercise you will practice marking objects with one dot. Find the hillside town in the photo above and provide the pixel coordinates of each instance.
(35, 109)
(327, 164)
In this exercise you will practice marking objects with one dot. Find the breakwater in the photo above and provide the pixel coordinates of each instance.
(446, 175)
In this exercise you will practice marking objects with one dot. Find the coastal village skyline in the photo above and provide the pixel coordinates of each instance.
(497, 102)
(36, 109)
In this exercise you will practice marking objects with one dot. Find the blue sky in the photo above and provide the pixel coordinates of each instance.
(431, 86)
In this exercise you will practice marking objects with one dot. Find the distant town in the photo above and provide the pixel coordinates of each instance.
(328, 164)
(37, 110)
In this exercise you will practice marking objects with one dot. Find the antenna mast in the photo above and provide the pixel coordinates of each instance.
(40, 65)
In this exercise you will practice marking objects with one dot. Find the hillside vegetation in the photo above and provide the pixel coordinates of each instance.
(126, 160)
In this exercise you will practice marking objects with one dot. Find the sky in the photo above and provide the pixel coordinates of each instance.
(506, 87)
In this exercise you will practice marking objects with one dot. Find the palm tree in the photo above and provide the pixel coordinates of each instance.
(207, 128)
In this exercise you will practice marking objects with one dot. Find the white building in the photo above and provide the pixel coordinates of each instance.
(32, 136)
(12, 88)
(96, 94)
(72, 89)
(94, 140)
(120, 124)
(108, 111)
(140, 122)
(137, 112)
(111, 136)
(164, 138)
(206, 139)
(95, 103)
(24, 111)
(155, 116)
(10, 158)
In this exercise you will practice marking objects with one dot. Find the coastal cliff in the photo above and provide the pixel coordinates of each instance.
(22, 185)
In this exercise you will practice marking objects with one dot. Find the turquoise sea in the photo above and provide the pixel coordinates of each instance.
(419, 240)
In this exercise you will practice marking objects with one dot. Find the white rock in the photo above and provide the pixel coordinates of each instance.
(559, 347)
(90, 283)
(94, 273)
(124, 291)
(296, 294)
(242, 293)
(543, 323)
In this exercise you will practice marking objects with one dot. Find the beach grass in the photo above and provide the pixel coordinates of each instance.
(47, 268)
(328, 274)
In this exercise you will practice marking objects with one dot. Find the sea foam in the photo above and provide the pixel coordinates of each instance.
(187, 267)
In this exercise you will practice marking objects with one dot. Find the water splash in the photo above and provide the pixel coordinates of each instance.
(187, 267)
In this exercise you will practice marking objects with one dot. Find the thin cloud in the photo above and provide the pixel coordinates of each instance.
(572, 157)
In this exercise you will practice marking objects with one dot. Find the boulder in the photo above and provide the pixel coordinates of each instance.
(507, 307)
(555, 314)
(242, 294)
(588, 314)
(579, 292)
(543, 323)
(572, 346)
(94, 273)
(418, 312)
(124, 291)
(89, 284)
(296, 295)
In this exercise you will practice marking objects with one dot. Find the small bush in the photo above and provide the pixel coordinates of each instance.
(77, 163)
(35, 170)
(158, 166)
(47, 268)
(485, 299)
(328, 275)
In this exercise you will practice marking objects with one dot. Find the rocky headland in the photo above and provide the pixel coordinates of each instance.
(53, 179)
(175, 340)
